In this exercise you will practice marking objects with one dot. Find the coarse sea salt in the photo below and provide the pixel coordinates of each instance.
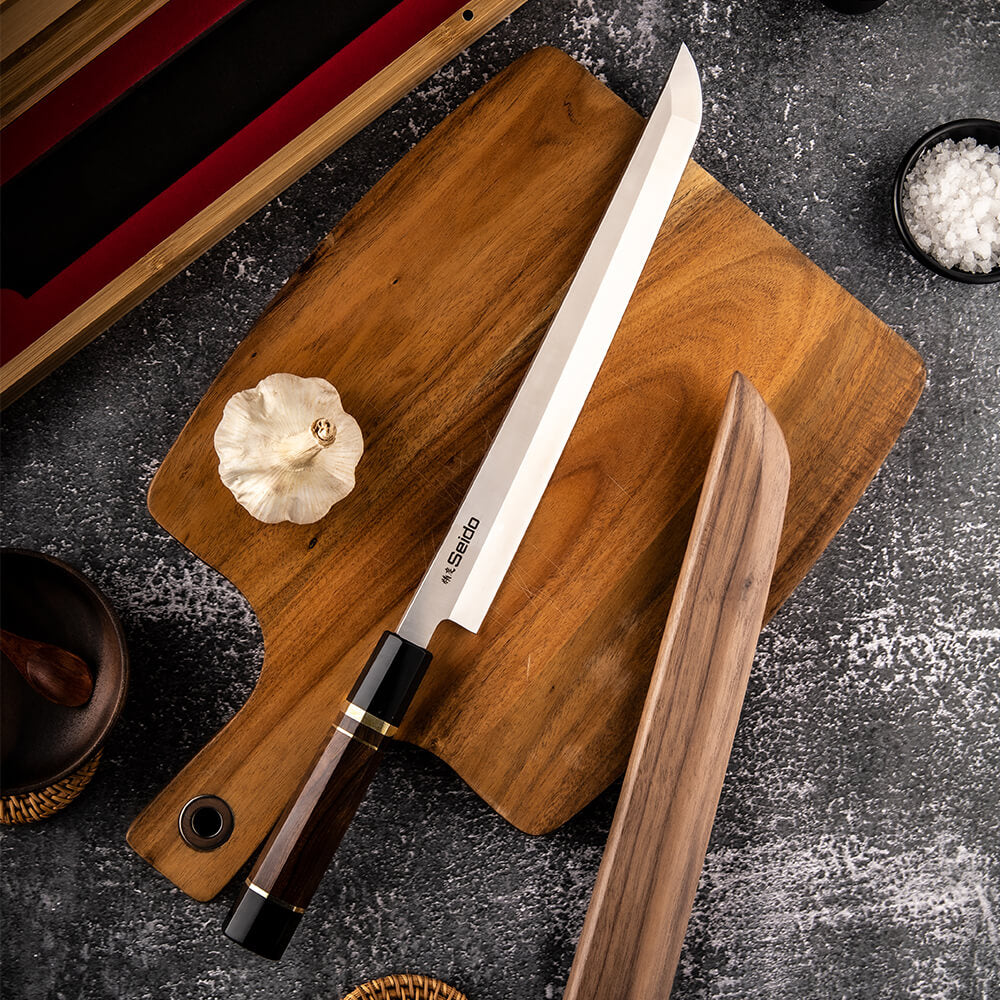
(951, 204)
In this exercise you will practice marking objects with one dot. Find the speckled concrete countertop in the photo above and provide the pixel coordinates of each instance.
(856, 852)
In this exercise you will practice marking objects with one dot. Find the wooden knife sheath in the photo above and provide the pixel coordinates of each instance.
(635, 926)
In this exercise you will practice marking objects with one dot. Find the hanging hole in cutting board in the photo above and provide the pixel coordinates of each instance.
(468, 15)
(205, 822)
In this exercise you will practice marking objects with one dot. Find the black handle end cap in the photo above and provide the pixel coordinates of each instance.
(261, 924)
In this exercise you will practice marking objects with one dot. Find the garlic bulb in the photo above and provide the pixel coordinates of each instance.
(287, 450)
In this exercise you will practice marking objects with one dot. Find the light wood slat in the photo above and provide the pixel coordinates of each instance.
(240, 202)
(58, 48)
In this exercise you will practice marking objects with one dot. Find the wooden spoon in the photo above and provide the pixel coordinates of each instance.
(55, 673)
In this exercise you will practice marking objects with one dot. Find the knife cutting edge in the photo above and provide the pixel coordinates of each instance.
(465, 573)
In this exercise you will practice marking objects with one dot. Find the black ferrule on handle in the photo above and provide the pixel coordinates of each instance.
(261, 925)
(390, 678)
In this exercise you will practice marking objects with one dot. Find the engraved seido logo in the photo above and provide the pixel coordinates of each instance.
(461, 547)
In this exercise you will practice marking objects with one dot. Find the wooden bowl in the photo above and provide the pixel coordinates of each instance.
(44, 598)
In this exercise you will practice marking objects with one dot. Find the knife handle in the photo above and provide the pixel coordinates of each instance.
(302, 843)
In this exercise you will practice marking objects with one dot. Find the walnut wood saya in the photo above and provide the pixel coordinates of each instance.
(639, 910)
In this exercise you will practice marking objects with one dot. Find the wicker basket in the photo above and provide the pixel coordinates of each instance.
(33, 806)
(405, 987)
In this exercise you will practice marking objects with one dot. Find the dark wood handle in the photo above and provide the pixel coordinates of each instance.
(305, 838)
(303, 842)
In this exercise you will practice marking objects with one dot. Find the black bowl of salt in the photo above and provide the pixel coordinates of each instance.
(946, 200)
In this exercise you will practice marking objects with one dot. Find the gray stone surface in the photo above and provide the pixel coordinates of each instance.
(855, 852)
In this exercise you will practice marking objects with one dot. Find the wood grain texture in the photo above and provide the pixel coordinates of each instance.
(424, 307)
(638, 914)
(21, 20)
(194, 237)
(300, 847)
(55, 39)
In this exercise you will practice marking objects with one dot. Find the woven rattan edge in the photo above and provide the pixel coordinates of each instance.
(30, 807)
(405, 987)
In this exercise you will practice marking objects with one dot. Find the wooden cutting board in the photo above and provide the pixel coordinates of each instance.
(424, 307)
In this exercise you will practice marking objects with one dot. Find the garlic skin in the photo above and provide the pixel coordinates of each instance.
(287, 450)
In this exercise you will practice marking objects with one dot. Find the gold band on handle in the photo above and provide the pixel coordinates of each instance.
(274, 899)
(380, 726)
(355, 736)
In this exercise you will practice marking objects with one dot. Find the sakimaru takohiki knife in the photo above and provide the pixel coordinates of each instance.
(474, 557)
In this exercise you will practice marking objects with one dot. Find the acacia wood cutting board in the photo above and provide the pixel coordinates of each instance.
(424, 307)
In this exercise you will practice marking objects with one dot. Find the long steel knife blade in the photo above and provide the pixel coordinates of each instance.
(466, 572)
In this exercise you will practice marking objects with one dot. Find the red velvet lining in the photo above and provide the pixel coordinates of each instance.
(120, 66)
